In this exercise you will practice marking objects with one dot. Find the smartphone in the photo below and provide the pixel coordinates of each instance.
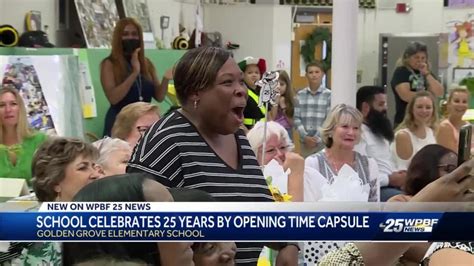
(464, 147)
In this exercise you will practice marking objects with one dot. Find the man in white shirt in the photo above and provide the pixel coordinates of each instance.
(376, 135)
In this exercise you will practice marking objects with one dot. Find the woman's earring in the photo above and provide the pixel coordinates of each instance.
(195, 104)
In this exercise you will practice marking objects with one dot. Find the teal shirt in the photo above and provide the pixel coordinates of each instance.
(24, 156)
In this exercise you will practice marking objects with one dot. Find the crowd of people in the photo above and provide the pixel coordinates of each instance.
(212, 148)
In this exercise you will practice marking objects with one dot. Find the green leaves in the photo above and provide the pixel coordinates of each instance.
(319, 35)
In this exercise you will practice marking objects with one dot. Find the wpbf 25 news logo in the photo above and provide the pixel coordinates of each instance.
(408, 225)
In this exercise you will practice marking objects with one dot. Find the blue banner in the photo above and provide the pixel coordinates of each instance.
(238, 226)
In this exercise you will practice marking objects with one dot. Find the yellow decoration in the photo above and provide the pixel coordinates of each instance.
(87, 110)
(263, 262)
(172, 95)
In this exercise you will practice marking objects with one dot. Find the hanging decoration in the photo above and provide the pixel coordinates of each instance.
(319, 35)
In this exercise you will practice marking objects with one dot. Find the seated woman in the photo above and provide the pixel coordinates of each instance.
(453, 110)
(18, 142)
(451, 187)
(278, 147)
(340, 133)
(428, 164)
(416, 130)
(134, 188)
(114, 155)
(60, 167)
(133, 120)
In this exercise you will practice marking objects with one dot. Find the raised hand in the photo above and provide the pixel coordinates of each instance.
(135, 62)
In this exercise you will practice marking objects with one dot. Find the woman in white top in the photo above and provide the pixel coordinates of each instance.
(453, 110)
(340, 133)
(278, 147)
(416, 130)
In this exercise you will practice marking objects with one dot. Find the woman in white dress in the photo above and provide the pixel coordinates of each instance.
(416, 130)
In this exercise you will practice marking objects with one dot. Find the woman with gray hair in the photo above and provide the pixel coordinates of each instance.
(114, 155)
(278, 147)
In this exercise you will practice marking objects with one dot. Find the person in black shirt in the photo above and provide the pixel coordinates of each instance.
(411, 75)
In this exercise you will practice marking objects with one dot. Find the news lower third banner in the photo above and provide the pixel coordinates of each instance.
(146, 222)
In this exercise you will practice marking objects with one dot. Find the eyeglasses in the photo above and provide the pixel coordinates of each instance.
(273, 150)
(448, 167)
(142, 129)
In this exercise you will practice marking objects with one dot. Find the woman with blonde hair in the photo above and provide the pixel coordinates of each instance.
(127, 76)
(340, 132)
(18, 142)
(134, 120)
(416, 130)
(453, 109)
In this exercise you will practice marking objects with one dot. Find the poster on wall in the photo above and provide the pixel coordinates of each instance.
(138, 9)
(21, 73)
(98, 19)
(461, 41)
(49, 86)
(459, 3)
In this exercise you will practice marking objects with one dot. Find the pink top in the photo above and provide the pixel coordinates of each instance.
(282, 119)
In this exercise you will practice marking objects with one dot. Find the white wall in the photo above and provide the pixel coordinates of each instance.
(250, 27)
(13, 12)
(282, 32)
(179, 11)
(426, 16)
(260, 30)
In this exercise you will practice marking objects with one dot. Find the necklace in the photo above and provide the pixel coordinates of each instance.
(334, 164)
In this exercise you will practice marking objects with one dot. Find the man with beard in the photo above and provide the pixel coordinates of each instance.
(376, 135)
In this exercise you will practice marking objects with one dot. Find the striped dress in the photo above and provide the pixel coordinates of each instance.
(174, 152)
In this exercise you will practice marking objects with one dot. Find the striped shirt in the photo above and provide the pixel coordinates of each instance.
(174, 152)
(311, 110)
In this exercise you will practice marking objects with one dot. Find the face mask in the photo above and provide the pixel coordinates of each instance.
(130, 45)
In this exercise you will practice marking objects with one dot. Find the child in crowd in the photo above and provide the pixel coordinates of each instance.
(253, 69)
(313, 103)
(284, 111)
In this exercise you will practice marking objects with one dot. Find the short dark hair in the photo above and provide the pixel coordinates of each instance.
(317, 64)
(423, 168)
(367, 94)
(197, 70)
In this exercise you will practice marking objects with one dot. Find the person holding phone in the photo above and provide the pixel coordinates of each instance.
(127, 76)
(453, 109)
(411, 75)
